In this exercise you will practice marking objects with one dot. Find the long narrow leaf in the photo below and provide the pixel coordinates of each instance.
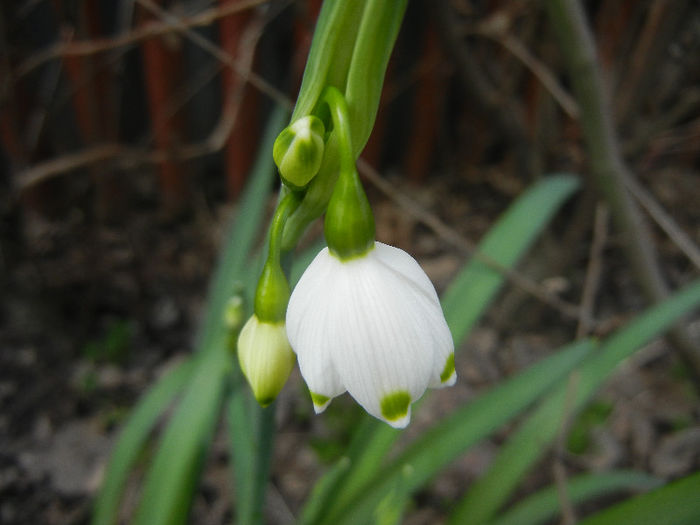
(455, 434)
(464, 302)
(674, 504)
(476, 286)
(169, 482)
(133, 438)
(536, 434)
(545, 504)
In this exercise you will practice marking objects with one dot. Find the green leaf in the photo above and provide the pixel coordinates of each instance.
(472, 291)
(544, 505)
(322, 490)
(381, 21)
(536, 434)
(436, 448)
(331, 49)
(251, 431)
(171, 478)
(173, 474)
(133, 438)
(675, 504)
(467, 298)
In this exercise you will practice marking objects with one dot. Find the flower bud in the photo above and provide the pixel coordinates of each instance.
(298, 151)
(266, 358)
(234, 312)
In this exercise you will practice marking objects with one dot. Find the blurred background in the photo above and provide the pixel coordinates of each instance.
(127, 128)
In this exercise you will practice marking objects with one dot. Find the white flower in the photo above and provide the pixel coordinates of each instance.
(371, 325)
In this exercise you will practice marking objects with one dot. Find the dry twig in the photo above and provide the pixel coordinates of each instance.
(608, 168)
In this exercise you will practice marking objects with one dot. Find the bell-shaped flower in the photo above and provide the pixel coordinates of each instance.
(371, 325)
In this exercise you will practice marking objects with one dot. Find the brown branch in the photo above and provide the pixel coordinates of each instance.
(153, 29)
(128, 157)
(241, 68)
(608, 168)
(594, 270)
(681, 239)
(499, 34)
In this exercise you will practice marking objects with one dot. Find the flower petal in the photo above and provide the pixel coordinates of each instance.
(307, 331)
(397, 260)
(400, 262)
(382, 344)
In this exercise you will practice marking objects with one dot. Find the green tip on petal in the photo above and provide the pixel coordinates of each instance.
(449, 369)
(395, 406)
(320, 401)
(264, 401)
(298, 151)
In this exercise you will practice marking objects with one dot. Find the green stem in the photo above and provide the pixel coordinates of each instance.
(341, 124)
(609, 170)
(285, 208)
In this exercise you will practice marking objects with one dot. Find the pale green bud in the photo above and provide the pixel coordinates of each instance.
(233, 313)
(266, 358)
(298, 151)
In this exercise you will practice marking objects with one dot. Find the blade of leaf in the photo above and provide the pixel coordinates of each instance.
(426, 456)
(465, 300)
(544, 505)
(170, 480)
(471, 292)
(675, 504)
(536, 434)
(132, 439)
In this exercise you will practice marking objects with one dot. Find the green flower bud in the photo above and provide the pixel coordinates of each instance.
(349, 223)
(298, 151)
(233, 313)
(266, 358)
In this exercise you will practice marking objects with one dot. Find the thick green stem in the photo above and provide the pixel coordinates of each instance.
(341, 124)
(286, 207)
(609, 170)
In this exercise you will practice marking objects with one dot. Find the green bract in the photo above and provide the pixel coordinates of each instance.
(349, 224)
(298, 151)
(272, 294)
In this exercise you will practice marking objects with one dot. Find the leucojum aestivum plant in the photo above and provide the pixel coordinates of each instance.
(364, 318)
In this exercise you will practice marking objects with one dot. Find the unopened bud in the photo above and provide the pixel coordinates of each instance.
(266, 358)
(298, 151)
(233, 313)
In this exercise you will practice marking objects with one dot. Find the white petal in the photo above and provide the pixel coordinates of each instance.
(401, 262)
(383, 345)
(308, 334)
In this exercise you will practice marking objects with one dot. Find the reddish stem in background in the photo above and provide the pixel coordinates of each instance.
(427, 112)
(161, 56)
(241, 144)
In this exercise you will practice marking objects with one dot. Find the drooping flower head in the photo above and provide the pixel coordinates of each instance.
(371, 325)
(364, 318)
